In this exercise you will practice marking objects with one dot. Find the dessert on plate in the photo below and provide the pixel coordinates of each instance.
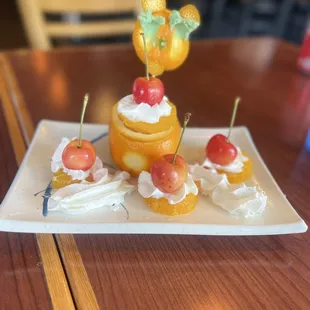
(169, 188)
(227, 158)
(80, 180)
(236, 199)
(145, 136)
(222, 174)
(74, 160)
(105, 190)
(144, 126)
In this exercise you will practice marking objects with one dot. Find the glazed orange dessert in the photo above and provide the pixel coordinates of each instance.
(167, 34)
(144, 126)
(74, 160)
(135, 145)
(169, 189)
(226, 158)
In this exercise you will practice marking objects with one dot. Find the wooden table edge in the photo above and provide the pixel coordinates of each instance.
(117, 46)
(21, 130)
(55, 277)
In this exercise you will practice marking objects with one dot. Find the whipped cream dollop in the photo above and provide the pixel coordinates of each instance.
(236, 166)
(240, 199)
(78, 198)
(147, 189)
(57, 163)
(143, 112)
(208, 179)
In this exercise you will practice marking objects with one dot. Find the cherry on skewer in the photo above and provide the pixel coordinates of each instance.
(169, 172)
(79, 154)
(219, 149)
(147, 89)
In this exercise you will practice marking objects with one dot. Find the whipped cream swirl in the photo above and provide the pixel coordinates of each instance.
(147, 189)
(78, 198)
(236, 166)
(143, 112)
(240, 200)
(208, 179)
(57, 163)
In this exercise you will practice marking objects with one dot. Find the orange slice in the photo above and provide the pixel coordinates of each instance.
(137, 136)
(240, 177)
(162, 205)
(61, 179)
(164, 124)
(155, 68)
(135, 151)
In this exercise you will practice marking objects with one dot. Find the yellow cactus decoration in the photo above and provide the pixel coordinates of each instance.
(167, 34)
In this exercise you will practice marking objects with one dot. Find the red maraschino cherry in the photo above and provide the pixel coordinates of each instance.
(219, 149)
(169, 172)
(79, 154)
(147, 89)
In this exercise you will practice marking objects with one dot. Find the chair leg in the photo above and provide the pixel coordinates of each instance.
(282, 19)
(246, 19)
(33, 21)
(217, 9)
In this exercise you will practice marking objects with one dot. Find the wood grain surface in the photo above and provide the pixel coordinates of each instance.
(22, 283)
(57, 283)
(193, 272)
(83, 293)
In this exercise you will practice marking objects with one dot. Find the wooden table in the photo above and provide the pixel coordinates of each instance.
(164, 272)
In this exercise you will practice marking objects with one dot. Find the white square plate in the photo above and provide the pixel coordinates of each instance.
(21, 211)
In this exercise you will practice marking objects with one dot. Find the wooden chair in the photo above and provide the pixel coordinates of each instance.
(239, 18)
(40, 30)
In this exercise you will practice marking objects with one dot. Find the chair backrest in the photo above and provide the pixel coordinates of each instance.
(249, 17)
(40, 30)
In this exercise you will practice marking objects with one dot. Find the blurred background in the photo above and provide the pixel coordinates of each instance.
(55, 23)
